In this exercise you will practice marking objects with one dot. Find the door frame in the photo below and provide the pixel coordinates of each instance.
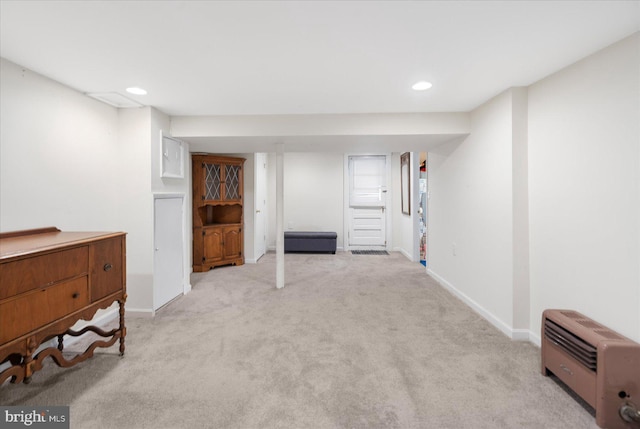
(186, 240)
(345, 193)
(259, 156)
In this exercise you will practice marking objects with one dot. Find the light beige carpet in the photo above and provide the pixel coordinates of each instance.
(351, 342)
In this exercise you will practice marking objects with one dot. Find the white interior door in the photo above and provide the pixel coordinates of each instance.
(367, 201)
(260, 219)
(168, 240)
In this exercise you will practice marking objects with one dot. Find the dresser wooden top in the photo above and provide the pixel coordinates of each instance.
(16, 246)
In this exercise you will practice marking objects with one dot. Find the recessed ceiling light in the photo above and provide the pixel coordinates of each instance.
(137, 91)
(421, 86)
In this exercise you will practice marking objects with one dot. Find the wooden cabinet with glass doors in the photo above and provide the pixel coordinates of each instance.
(217, 211)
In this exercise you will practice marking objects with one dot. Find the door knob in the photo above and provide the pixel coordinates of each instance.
(257, 211)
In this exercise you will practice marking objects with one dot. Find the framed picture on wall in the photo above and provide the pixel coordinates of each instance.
(405, 182)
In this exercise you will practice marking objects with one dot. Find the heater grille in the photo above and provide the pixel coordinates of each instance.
(571, 344)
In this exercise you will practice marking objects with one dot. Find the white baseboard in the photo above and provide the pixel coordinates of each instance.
(141, 313)
(250, 261)
(514, 334)
(520, 334)
(535, 339)
(404, 252)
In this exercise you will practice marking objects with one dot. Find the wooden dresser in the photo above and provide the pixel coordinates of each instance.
(49, 280)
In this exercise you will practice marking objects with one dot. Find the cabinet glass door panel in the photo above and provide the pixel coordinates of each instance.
(212, 182)
(232, 182)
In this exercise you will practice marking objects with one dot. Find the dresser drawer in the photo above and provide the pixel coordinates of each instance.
(107, 267)
(38, 271)
(35, 309)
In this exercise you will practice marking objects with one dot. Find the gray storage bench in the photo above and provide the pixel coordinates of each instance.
(308, 241)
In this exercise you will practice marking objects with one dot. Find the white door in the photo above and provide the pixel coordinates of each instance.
(367, 201)
(260, 240)
(167, 265)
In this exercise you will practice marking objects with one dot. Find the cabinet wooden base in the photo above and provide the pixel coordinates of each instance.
(24, 363)
(209, 266)
(50, 281)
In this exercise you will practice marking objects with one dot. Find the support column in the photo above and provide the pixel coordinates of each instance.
(279, 215)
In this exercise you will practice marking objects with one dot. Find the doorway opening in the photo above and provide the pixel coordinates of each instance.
(423, 195)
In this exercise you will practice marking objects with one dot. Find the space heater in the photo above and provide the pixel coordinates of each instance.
(598, 364)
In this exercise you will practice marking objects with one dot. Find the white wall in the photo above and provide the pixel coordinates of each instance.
(313, 194)
(584, 179)
(58, 155)
(160, 124)
(58, 158)
(404, 232)
(470, 209)
(79, 164)
(542, 200)
(135, 204)
(520, 192)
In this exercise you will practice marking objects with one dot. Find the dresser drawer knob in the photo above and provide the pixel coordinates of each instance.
(107, 266)
(75, 295)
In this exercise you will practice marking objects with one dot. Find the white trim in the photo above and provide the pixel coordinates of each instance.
(415, 204)
(157, 195)
(499, 324)
(520, 335)
(388, 202)
(139, 313)
(256, 167)
(403, 251)
(345, 195)
(535, 339)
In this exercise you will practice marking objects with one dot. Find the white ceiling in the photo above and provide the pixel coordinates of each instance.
(234, 58)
